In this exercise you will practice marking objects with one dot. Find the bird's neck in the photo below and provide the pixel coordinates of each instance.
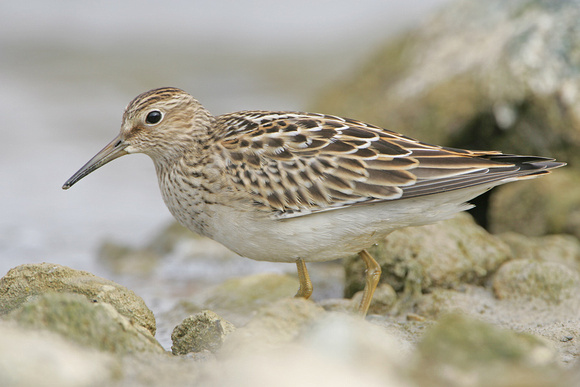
(185, 145)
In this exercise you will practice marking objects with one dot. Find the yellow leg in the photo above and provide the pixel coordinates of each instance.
(305, 289)
(372, 276)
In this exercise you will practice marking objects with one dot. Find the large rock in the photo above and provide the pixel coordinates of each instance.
(447, 254)
(480, 75)
(96, 325)
(27, 281)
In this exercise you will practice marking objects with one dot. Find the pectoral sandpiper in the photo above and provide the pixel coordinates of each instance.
(300, 187)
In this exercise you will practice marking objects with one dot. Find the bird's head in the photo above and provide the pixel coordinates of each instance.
(162, 123)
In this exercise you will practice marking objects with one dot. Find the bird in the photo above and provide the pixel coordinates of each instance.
(296, 187)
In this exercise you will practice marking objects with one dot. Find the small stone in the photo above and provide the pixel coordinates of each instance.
(415, 317)
(206, 331)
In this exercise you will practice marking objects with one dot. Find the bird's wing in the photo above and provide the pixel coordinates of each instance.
(296, 164)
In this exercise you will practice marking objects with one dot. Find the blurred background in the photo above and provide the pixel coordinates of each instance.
(68, 69)
(476, 74)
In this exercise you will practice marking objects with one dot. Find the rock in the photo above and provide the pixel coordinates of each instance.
(480, 75)
(460, 351)
(26, 281)
(98, 325)
(525, 279)
(204, 331)
(41, 358)
(441, 255)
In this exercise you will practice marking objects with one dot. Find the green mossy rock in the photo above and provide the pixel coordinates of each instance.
(90, 324)
(26, 281)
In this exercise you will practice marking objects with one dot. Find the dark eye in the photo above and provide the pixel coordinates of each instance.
(154, 117)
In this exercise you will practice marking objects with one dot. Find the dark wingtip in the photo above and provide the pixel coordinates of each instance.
(528, 162)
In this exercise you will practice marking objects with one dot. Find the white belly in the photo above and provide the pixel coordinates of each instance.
(333, 234)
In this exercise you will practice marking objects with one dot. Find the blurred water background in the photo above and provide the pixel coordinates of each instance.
(68, 68)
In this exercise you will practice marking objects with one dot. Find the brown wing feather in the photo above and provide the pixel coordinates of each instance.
(300, 163)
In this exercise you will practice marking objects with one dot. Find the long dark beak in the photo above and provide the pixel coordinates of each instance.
(113, 150)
